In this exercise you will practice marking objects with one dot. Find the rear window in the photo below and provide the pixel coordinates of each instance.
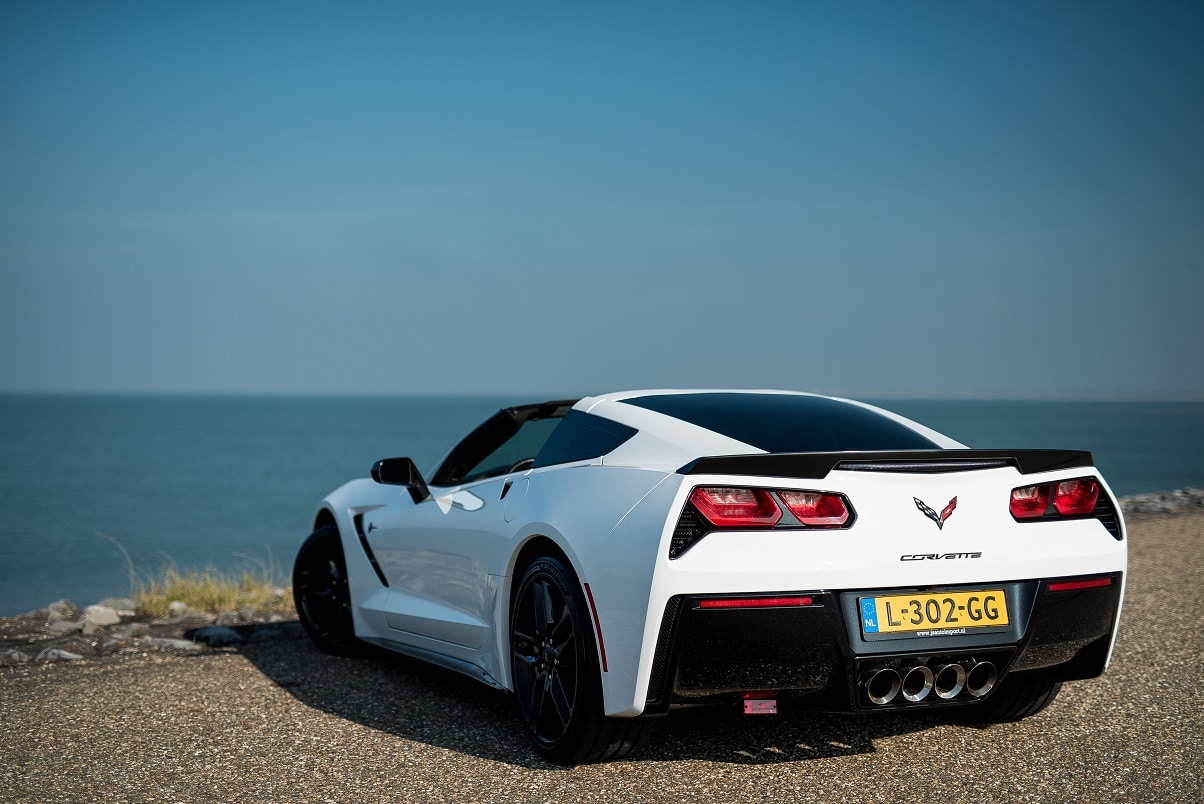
(787, 423)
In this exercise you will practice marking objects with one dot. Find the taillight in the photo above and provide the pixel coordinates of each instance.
(817, 509)
(1073, 497)
(1030, 501)
(736, 507)
(714, 507)
(1077, 497)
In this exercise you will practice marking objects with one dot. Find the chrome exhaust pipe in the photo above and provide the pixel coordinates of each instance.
(981, 679)
(881, 686)
(948, 681)
(917, 683)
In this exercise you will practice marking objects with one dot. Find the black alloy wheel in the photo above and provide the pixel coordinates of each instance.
(547, 657)
(322, 595)
(556, 675)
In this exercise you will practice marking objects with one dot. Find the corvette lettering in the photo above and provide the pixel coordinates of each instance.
(937, 556)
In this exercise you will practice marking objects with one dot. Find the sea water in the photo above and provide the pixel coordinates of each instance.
(233, 482)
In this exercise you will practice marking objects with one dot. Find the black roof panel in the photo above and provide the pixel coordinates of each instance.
(787, 422)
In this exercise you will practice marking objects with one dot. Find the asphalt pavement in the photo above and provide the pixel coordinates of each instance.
(275, 720)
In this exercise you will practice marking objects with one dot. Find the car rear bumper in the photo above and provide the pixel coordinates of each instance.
(814, 649)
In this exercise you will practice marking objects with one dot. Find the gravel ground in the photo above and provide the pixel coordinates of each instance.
(277, 721)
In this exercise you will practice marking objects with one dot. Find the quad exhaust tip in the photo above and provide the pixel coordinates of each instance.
(950, 680)
(981, 679)
(946, 681)
(917, 683)
(882, 685)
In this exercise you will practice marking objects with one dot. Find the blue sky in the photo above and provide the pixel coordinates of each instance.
(921, 199)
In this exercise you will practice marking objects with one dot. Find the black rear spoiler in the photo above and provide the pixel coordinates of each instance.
(817, 465)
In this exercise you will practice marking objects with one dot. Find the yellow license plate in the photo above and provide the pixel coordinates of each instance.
(939, 614)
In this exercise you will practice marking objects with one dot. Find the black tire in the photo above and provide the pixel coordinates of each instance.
(1013, 700)
(557, 683)
(322, 595)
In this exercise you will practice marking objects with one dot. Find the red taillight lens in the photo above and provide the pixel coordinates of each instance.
(1075, 497)
(734, 507)
(1030, 501)
(816, 508)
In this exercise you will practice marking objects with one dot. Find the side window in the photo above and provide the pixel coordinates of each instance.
(514, 454)
(505, 442)
(582, 436)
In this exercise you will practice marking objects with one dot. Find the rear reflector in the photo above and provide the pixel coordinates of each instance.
(593, 609)
(736, 507)
(817, 509)
(754, 602)
(1070, 586)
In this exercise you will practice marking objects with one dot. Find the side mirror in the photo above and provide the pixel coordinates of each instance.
(401, 472)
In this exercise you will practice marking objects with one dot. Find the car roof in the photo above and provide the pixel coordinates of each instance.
(677, 424)
(619, 396)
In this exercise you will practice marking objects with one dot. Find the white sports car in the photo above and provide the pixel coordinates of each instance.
(610, 558)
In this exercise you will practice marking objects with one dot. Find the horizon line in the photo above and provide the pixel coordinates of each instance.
(953, 396)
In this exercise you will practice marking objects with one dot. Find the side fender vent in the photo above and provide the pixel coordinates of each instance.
(358, 519)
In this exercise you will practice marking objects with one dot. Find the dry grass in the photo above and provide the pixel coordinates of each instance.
(212, 591)
(260, 585)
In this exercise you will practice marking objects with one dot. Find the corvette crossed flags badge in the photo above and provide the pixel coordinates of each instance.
(940, 518)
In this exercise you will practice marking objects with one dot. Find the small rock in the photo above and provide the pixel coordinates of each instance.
(102, 615)
(178, 611)
(57, 655)
(216, 636)
(96, 617)
(131, 630)
(61, 610)
(124, 606)
(12, 658)
(64, 626)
